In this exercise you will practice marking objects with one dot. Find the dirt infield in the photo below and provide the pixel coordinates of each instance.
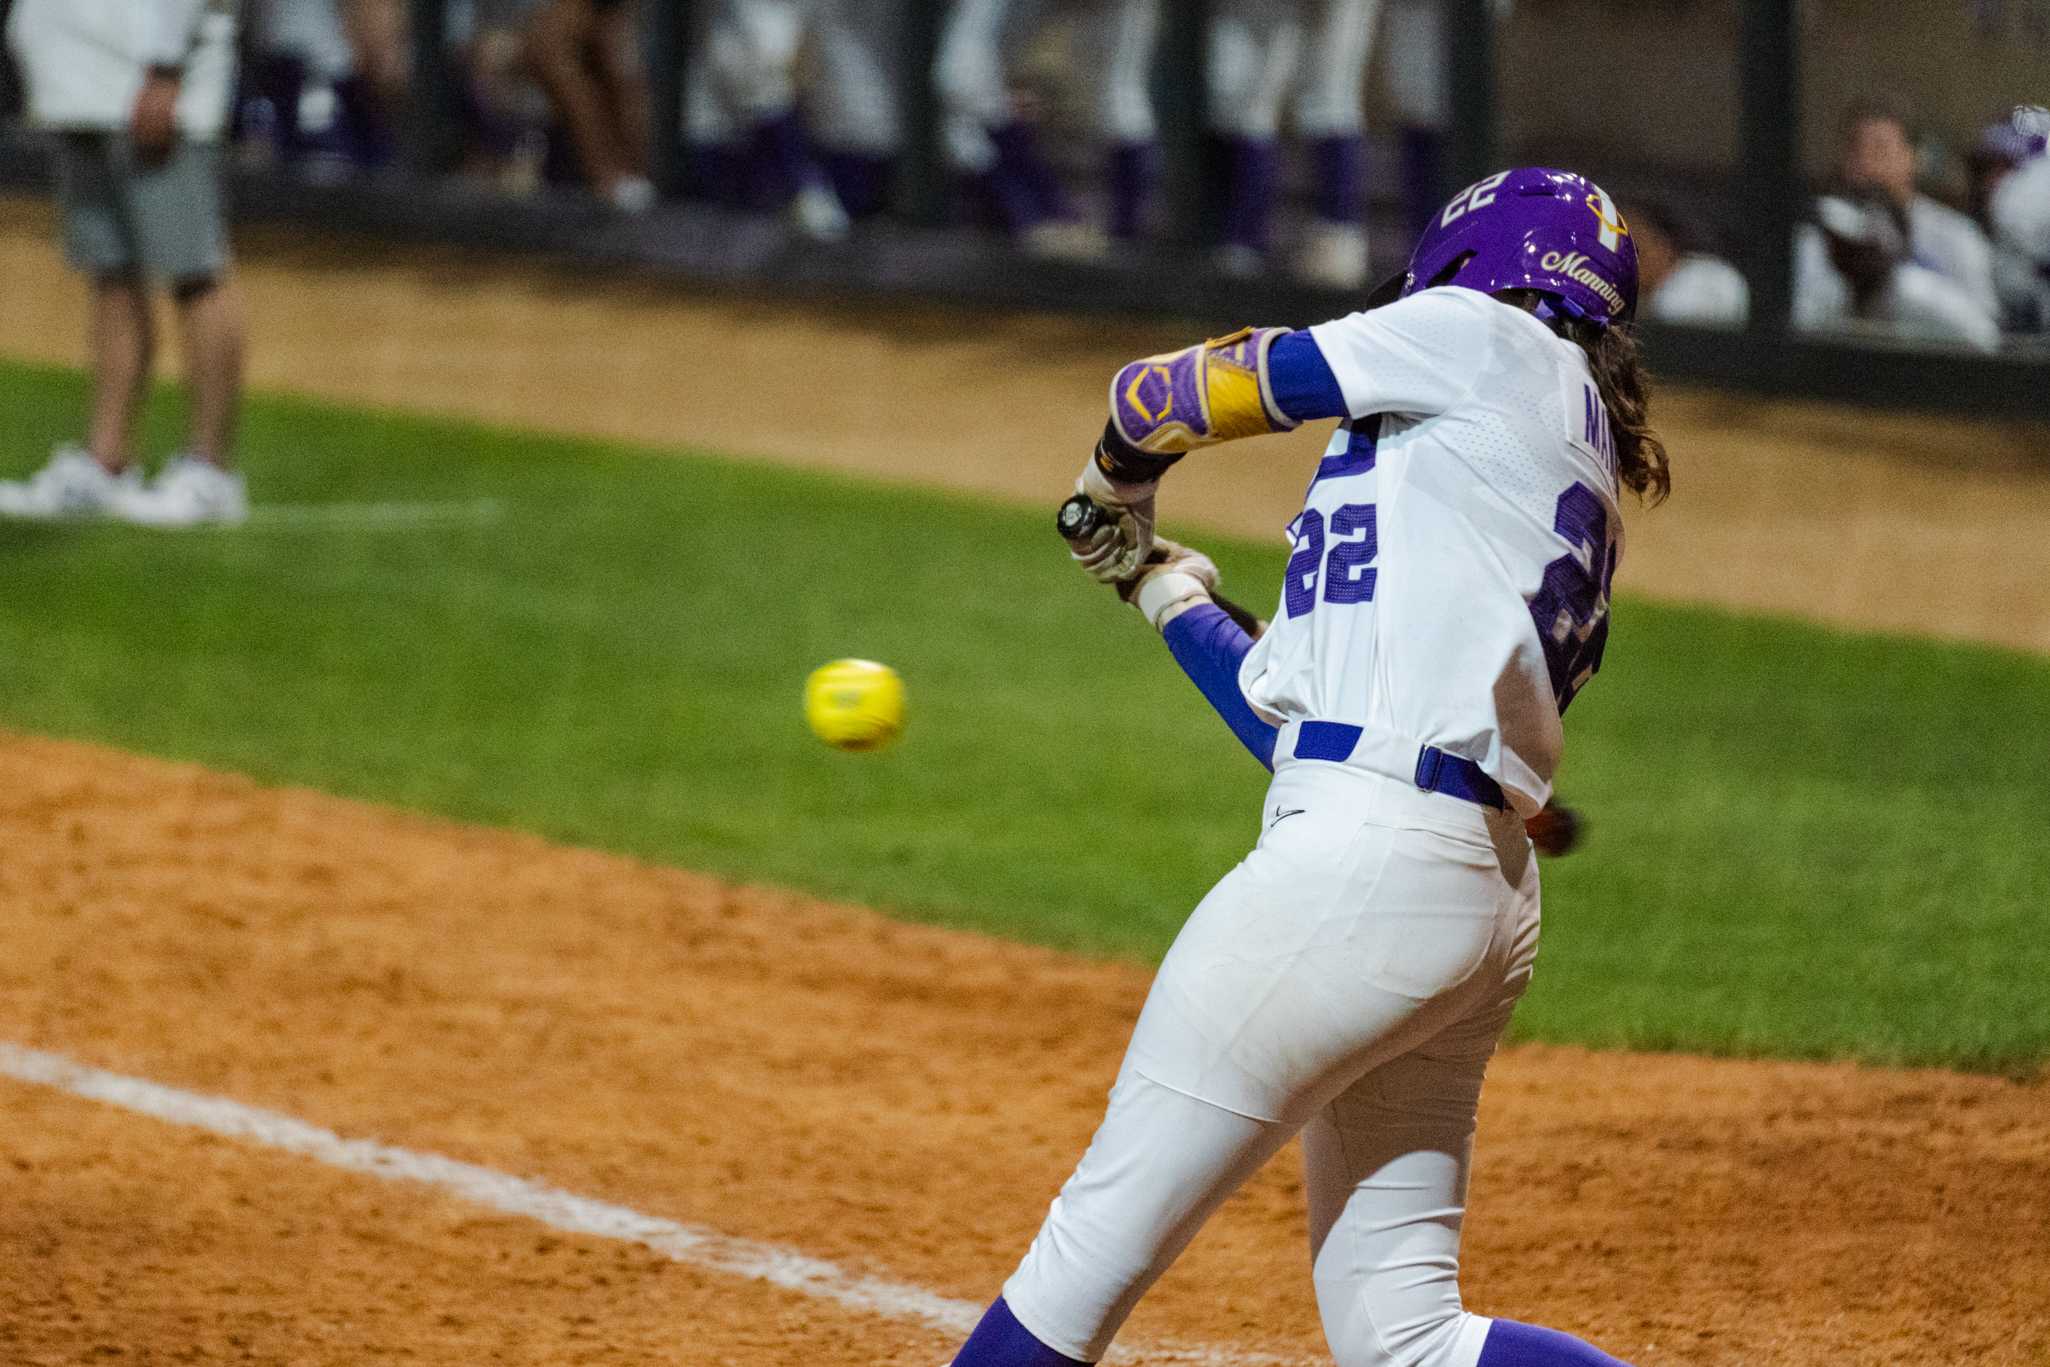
(898, 1099)
(1919, 525)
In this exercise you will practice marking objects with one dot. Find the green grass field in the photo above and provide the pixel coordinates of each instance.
(1804, 843)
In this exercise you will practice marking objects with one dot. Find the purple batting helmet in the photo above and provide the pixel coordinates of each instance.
(1533, 229)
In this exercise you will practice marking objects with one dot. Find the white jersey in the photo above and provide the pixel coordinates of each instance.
(1449, 581)
(2021, 219)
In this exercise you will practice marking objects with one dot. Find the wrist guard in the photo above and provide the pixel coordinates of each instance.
(1123, 463)
(1217, 391)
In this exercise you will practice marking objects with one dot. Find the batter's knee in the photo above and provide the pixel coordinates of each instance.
(1389, 1339)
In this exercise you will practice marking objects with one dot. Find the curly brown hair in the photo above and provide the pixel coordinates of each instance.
(1619, 373)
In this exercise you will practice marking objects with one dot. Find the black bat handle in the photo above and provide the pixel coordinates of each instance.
(1079, 518)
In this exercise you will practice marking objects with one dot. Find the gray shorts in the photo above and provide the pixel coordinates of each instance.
(119, 218)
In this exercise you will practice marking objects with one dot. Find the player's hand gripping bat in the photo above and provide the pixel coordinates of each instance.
(1081, 517)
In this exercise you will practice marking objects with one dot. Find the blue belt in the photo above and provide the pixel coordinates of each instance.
(1436, 770)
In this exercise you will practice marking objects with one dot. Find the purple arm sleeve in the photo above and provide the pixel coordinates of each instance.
(1208, 646)
(1301, 379)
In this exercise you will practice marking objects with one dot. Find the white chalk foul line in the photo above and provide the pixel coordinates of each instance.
(476, 512)
(692, 1245)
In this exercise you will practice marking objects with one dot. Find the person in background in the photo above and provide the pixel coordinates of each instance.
(306, 87)
(854, 104)
(2011, 152)
(504, 114)
(749, 140)
(1853, 273)
(1419, 91)
(1679, 280)
(1877, 158)
(992, 140)
(1311, 56)
(586, 55)
(139, 123)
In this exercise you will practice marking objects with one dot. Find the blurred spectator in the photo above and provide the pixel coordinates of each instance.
(1852, 272)
(1881, 258)
(1419, 89)
(377, 32)
(992, 140)
(137, 92)
(1679, 280)
(504, 114)
(309, 89)
(1262, 53)
(2011, 153)
(1877, 157)
(854, 101)
(744, 118)
(587, 56)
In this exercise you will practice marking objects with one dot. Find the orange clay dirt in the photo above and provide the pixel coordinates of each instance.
(898, 1099)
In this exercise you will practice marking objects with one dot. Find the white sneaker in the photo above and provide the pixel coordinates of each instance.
(188, 493)
(1333, 255)
(817, 212)
(72, 485)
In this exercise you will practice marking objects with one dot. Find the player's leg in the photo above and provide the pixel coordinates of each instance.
(557, 48)
(995, 147)
(754, 49)
(98, 242)
(1126, 34)
(1158, 1167)
(855, 104)
(1420, 89)
(1385, 1169)
(1333, 947)
(123, 352)
(622, 72)
(1253, 47)
(1329, 119)
(180, 227)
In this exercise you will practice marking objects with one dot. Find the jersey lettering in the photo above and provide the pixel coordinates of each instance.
(1571, 607)
(1600, 437)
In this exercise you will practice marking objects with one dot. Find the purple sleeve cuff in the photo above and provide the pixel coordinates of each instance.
(1209, 647)
(1303, 385)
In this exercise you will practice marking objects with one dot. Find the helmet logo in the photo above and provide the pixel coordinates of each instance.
(1573, 266)
(1614, 229)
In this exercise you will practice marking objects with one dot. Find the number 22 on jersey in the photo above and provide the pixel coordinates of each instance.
(1332, 561)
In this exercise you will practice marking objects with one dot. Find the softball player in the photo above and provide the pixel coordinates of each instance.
(1260, 54)
(1446, 596)
(995, 147)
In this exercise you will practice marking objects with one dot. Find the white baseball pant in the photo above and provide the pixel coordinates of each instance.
(1349, 980)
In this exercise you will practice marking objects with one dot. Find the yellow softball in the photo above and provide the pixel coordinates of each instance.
(854, 704)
